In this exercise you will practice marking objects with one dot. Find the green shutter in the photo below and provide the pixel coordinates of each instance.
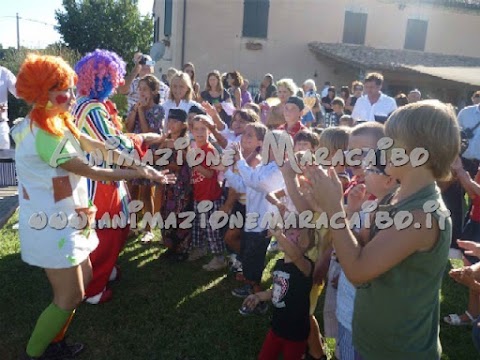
(255, 18)
(263, 7)
(416, 35)
(355, 28)
(167, 25)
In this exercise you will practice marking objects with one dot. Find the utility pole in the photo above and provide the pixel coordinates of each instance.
(18, 32)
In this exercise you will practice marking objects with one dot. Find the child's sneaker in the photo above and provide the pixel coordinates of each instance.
(217, 263)
(196, 254)
(260, 309)
(243, 292)
(147, 237)
(235, 265)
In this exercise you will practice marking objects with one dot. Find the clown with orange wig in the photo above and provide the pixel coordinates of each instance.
(50, 168)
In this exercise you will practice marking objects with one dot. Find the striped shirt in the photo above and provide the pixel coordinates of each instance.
(93, 119)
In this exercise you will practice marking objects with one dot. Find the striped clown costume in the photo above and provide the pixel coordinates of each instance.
(99, 74)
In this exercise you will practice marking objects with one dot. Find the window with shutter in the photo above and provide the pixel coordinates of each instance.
(255, 18)
(354, 28)
(416, 35)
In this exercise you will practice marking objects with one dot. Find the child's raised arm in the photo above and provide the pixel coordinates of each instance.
(292, 185)
(293, 252)
(235, 181)
(273, 198)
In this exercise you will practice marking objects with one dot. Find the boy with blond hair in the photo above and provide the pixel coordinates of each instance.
(400, 268)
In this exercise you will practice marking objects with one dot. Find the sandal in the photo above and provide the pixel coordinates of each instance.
(455, 320)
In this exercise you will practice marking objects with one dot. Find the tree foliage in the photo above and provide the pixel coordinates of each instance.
(115, 25)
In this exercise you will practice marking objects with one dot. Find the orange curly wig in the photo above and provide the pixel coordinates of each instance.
(38, 75)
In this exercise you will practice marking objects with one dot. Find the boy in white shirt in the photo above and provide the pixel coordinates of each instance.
(256, 183)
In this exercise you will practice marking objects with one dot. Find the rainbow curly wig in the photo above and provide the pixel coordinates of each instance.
(38, 75)
(99, 74)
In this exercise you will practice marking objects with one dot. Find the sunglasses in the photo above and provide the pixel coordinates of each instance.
(358, 89)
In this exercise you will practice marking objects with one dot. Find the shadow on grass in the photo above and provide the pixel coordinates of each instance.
(164, 311)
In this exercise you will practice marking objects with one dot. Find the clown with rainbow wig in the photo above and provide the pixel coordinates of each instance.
(99, 75)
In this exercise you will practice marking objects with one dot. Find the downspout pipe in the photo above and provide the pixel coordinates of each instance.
(184, 22)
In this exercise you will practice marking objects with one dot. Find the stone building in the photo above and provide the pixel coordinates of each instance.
(425, 44)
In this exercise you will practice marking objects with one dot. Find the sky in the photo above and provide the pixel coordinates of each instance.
(34, 34)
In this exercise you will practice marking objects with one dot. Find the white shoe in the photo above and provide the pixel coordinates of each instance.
(217, 263)
(103, 297)
(113, 274)
(147, 237)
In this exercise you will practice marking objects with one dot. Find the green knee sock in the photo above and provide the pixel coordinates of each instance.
(48, 325)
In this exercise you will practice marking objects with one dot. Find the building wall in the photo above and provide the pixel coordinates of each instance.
(213, 38)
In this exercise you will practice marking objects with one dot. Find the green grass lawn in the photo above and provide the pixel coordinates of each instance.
(162, 311)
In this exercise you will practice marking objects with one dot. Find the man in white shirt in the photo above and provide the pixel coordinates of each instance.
(326, 86)
(130, 88)
(469, 118)
(374, 103)
(7, 83)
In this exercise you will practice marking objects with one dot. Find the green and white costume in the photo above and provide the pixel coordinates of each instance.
(48, 196)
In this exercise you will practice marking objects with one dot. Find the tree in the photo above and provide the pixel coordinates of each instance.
(115, 25)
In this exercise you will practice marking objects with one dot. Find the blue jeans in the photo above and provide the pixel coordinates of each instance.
(345, 344)
(476, 334)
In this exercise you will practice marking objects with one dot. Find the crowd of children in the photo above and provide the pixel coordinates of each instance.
(366, 270)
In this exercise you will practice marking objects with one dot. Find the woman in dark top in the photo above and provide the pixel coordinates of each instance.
(271, 89)
(215, 94)
(345, 95)
(327, 100)
(357, 91)
(235, 81)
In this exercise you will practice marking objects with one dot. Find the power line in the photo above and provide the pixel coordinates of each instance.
(17, 17)
(32, 20)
